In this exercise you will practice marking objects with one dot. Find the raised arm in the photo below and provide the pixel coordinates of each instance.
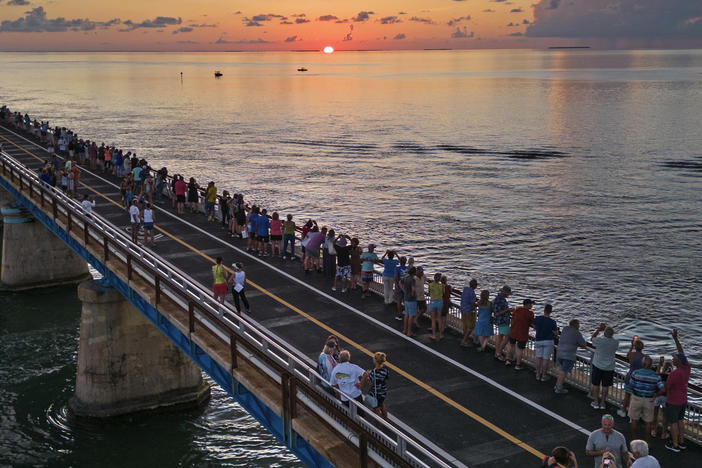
(677, 342)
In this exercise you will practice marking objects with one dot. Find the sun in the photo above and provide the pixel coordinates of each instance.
(328, 50)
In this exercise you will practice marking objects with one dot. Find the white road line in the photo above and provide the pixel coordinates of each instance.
(378, 323)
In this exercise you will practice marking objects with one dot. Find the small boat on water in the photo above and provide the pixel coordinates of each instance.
(218, 74)
(302, 69)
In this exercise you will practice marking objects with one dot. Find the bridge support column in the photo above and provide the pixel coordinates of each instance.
(125, 364)
(32, 257)
(5, 198)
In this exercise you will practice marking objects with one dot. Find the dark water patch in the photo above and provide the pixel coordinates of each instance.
(461, 149)
(531, 154)
(415, 148)
(693, 167)
(360, 148)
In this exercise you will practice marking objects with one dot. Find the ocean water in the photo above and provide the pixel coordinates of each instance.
(573, 176)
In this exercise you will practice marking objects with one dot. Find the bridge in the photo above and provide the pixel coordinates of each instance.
(448, 407)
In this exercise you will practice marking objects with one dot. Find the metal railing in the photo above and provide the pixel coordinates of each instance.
(299, 384)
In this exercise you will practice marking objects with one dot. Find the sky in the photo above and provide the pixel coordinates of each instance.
(260, 25)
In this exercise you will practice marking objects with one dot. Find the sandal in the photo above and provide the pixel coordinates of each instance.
(507, 363)
(499, 358)
(517, 368)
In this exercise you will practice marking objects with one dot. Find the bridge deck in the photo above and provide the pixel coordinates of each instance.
(502, 418)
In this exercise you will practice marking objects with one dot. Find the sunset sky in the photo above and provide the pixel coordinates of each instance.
(220, 25)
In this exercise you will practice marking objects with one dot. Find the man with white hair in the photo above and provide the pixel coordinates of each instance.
(642, 459)
(347, 378)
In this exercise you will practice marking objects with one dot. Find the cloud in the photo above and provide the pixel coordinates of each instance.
(195, 25)
(342, 21)
(301, 20)
(462, 33)
(327, 18)
(417, 19)
(650, 19)
(516, 34)
(349, 35)
(286, 22)
(221, 40)
(291, 39)
(187, 42)
(258, 20)
(17, 3)
(390, 20)
(299, 15)
(251, 23)
(511, 24)
(36, 21)
(526, 21)
(401, 12)
(455, 21)
(184, 29)
(488, 10)
(158, 22)
(516, 10)
(399, 37)
(362, 16)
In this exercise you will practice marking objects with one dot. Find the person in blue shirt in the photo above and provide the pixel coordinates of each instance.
(399, 295)
(253, 218)
(263, 225)
(546, 332)
(390, 264)
(469, 301)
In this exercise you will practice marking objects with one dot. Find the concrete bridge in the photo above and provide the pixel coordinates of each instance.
(150, 326)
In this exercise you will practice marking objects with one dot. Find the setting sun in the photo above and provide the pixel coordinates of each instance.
(328, 49)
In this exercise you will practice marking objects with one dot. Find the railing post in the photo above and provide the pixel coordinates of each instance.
(70, 220)
(54, 208)
(42, 189)
(285, 394)
(129, 266)
(21, 185)
(106, 250)
(293, 397)
(31, 188)
(86, 234)
(158, 289)
(232, 352)
(191, 316)
(363, 449)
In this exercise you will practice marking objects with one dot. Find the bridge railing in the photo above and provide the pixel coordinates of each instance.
(299, 384)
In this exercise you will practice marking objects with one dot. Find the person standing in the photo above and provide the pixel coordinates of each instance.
(420, 280)
(148, 217)
(347, 378)
(238, 281)
(436, 299)
(289, 237)
(276, 234)
(603, 362)
(399, 294)
(369, 259)
(639, 449)
(676, 398)
(644, 385)
(326, 363)
(635, 359)
(210, 200)
(522, 319)
(378, 377)
(502, 320)
(483, 326)
(134, 220)
(87, 204)
(219, 287)
(356, 251)
(193, 196)
(546, 332)
(568, 344)
(389, 265)
(445, 306)
(343, 258)
(408, 285)
(263, 225)
(469, 301)
(179, 188)
(606, 439)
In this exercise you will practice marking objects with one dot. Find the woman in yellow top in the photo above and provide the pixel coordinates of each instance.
(210, 201)
(221, 276)
(436, 302)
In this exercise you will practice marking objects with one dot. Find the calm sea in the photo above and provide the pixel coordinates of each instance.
(573, 176)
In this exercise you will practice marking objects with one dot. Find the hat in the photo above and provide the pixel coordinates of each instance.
(236, 266)
(528, 301)
(371, 246)
(506, 290)
(341, 242)
(681, 357)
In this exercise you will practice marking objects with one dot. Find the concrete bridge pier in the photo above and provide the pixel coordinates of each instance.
(125, 364)
(32, 257)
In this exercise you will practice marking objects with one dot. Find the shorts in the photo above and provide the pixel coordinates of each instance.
(343, 271)
(468, 320)
(276, 238)
(641, 408)
(520, 344)
(411, 308)
(422, 306)
(367, 276)
(599, 376)
(263, 238)
(674, 413)
(543, 349)
(659, 401)
(435, 305)
(219, 289)
(567, 365)
(135, 227)
(180, 198)
(149, 226)
(503, 329)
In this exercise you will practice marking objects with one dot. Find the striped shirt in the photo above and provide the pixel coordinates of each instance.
(644, 383)
(379, 385)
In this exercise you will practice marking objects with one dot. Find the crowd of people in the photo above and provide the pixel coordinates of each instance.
(655, 394)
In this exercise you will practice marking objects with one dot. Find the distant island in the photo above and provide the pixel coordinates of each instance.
(570, 47)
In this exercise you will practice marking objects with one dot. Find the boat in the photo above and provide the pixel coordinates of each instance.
(302, 69)
(218, 74)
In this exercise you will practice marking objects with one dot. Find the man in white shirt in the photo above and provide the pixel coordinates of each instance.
(347, 378)
(134, 220)
(639, 448)
(602, 376)
(87, 204)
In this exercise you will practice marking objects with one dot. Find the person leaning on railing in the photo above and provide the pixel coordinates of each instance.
(568, 343)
